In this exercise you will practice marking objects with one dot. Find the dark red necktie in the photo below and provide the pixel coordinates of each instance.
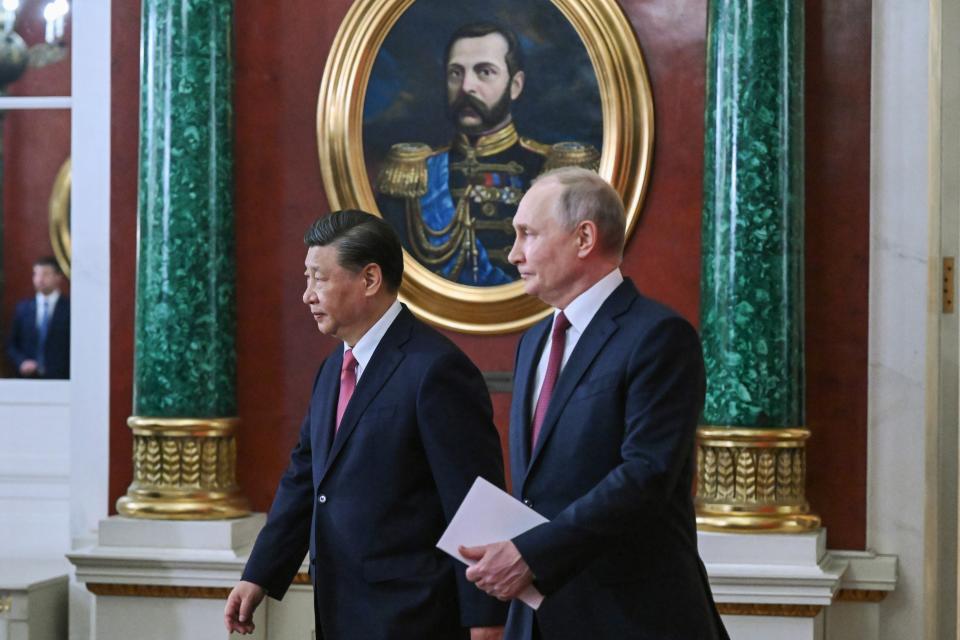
(348, 382)
(558, 341)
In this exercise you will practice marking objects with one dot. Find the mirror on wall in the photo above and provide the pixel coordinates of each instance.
(36, 251)
(35, 38)
(35, 255)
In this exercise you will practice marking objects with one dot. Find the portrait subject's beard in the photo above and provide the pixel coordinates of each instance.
(490, 117)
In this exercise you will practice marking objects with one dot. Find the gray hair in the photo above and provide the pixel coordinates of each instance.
(586, 196)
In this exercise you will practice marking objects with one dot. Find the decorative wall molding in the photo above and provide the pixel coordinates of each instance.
(157, 591)
(770, 610)
(860, 595)
(499, 381)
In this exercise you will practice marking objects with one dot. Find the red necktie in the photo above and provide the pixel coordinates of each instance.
(557, 343)
(348, 382)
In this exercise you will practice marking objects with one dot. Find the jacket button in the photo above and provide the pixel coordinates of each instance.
(528, 502)
(321, 498)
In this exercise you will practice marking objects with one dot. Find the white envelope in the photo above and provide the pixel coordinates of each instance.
(487, 515)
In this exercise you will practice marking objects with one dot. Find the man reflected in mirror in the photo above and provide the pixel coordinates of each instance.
(39, 341)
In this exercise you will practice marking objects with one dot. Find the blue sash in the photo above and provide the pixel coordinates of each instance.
(437, 209)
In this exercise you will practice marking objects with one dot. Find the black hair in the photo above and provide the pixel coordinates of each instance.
(48, 261)
(361, 239)
(514, 57)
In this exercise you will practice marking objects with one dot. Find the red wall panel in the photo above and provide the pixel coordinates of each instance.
(280, 52)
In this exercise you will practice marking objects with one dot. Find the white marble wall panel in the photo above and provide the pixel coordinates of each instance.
(34, 468)
(899, 302)
(769, 628)
(125, 618)
(292, 617)
(90, 277)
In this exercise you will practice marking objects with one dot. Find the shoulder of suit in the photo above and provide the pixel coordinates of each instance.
(646, 316)
(404, 171)
(430, 340)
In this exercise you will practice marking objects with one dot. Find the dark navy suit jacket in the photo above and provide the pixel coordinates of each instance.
(372, 502)
(23, 343)
(612, 470)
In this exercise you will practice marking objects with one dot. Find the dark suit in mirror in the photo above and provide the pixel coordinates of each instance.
(38, 345)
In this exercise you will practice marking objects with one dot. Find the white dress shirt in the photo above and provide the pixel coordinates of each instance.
(51, 305)
(579, 312)
(367, 343)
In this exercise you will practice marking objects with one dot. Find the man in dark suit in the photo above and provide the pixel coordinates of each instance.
(399, 427)
(607, 393)
(39, 342)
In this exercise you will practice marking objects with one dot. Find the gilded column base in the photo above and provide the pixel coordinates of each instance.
(752, 480)
(183, 469)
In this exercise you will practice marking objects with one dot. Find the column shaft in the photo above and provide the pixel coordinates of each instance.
(185, 358)
(185, 316)
(751, 453)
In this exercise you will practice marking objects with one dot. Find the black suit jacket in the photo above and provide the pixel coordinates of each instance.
(23, 343)
(612, 470)
(373, 501)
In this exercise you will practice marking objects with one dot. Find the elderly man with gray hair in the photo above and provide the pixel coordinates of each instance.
(607, 392)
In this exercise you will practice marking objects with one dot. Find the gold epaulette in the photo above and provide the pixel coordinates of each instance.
(532, 145)
(572, 154)
(404, 172)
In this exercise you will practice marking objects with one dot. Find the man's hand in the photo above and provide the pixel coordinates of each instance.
(499, 570)
(486, 633)
(241, 603)
(28, 367)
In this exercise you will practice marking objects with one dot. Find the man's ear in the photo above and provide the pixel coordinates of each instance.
(516, 85)
(586, 237)
(372, 279)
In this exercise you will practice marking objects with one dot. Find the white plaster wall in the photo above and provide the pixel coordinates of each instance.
(34, 468)
(122, 618)
(899, 250)
(768, 628)
(90, 350)
(90, 281)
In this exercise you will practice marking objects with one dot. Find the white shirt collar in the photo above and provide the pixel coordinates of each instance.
(51, 299)
(367, 343)
(581, 309)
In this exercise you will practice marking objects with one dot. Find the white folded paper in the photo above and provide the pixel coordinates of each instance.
(487, 515)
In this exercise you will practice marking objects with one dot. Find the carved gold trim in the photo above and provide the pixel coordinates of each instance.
(628, 128)
(752, 480)
(157, 591)
(183, 469)
(60, 217)
(860, 595)
(772, 610)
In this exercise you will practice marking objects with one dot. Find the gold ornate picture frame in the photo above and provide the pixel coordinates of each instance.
(60, 218)
(626, 105)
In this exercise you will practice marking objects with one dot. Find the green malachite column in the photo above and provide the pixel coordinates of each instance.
(185, 357)
(751, 454)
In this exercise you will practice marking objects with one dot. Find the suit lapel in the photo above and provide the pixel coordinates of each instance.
(527, 358)
(327, 390)
(33, 330)
(384, 362)
(59, 312)
(591, 343)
